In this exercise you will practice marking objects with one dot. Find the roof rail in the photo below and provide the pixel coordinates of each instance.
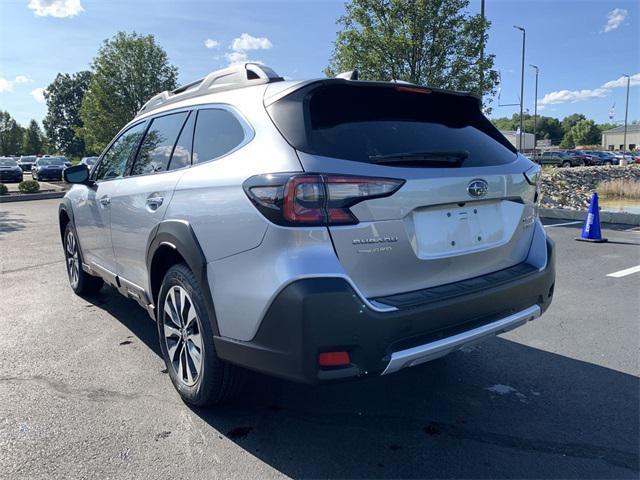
(235, 76)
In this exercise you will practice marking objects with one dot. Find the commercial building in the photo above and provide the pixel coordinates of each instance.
(512, 136)
(614, 139)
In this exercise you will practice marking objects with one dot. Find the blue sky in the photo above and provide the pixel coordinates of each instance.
(582, 47)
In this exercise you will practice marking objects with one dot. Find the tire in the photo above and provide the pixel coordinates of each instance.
(199, 376)
(566, 164)
(81, 282)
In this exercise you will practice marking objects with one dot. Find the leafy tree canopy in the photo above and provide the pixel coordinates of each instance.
(128, 70)
(11, 134)
(428, 42)
(586, 132)
(34, 140)
(62, 123)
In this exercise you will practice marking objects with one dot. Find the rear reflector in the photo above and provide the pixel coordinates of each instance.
(334, 359)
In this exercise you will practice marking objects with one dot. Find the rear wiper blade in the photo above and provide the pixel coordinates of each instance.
(454, 158)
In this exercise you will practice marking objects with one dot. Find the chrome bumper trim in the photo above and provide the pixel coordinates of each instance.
(430, 351)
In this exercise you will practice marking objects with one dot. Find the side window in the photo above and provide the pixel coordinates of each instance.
(182, 152)
(217, 133)
(115, 159)
(155, 150)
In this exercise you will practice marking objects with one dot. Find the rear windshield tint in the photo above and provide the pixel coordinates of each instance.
(358, 121)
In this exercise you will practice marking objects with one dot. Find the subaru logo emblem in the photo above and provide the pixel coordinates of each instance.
(477, 188)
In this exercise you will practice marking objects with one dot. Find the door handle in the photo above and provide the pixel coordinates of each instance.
(155, 201)
(105, 200)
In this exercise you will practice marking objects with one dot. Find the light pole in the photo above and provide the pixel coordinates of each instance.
(524, 37)
(535, 112)
(626, 112)
(482, 52)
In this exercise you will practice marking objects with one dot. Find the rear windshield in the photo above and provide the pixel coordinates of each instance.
(51, 161)
(7, 162)
(361, 122)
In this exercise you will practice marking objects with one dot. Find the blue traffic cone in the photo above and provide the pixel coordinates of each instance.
(591, 228)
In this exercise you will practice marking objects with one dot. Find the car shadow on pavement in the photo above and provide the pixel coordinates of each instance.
(12, 222)
(495, 410)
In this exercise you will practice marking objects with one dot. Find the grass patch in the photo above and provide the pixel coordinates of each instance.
(620, 189)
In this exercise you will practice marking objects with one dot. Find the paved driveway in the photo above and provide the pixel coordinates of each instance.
(83, 392)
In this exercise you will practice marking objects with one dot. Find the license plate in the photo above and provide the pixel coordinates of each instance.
(454, 230)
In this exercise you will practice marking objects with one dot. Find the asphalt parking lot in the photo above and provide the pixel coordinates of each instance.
(83, 393)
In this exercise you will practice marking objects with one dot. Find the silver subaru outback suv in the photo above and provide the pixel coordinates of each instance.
(315, 230)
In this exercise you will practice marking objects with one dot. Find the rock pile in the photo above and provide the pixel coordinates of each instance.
(571, 188)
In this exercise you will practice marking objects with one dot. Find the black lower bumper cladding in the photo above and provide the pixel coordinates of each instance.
(317, 315)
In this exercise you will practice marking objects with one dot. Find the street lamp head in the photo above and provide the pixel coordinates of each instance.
(519, 28)
(534, 66)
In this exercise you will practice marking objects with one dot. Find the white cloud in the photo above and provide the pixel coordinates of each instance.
(236, 57)
(615, 18)
(572, 96)
(6, 85)
(247, 42)
(38, 94)
(211, 43)
(56, 8)
(622, 82)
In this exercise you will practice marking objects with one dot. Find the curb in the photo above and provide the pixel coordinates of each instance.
(605, 217)
(30, 196)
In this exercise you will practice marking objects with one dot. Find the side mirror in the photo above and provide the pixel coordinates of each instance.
(76, 174)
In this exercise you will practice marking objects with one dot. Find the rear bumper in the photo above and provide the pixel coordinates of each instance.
(317, 315)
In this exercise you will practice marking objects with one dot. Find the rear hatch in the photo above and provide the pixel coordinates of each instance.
(464, 209)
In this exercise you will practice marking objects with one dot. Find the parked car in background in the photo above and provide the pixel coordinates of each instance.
(558, 158)
(10, 171)
(26, 162)
(89, 161)
(602, 158)
(311, 230)
(585, 157)
(48, 168)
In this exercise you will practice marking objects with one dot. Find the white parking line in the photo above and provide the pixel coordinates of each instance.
(625, 272)
(561, 224)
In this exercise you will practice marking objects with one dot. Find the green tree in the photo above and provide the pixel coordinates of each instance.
(569, 121)
(11, 134)
(547, 128)
(64, 98)
(33, 142)
(128, 70)
(428, 42)
(585, 132)
(567, 140)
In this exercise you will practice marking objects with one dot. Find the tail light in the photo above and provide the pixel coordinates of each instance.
(313, 199)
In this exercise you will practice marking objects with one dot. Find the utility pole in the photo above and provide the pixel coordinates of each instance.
(482, 53)
(535, 113)
(626, 113)
(524, 39)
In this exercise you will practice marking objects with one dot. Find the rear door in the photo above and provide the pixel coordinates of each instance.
(465, 208)
(143, 195)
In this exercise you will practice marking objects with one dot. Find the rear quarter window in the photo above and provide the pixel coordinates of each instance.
(217, 133)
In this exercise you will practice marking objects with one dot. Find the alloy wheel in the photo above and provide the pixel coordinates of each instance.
(182, 335)
(73, 259)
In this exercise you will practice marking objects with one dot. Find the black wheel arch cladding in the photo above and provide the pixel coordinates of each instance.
(177, 240)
